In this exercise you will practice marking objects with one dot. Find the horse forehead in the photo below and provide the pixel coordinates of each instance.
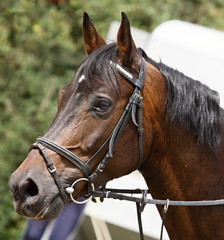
(81, 83)
(81, 79)
(86, 84)
(78, 87)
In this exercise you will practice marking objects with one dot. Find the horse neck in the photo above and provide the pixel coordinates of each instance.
(177, 167)
(174, 155)
(181, 169)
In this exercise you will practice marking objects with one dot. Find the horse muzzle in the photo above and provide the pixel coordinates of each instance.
(35, 197)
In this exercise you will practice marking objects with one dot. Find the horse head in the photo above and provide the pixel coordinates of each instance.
(95, 122)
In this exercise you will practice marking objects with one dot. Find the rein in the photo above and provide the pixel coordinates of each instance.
(121, 194)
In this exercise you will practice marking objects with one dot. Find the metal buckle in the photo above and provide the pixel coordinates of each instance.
(52, 170)
(101, 167)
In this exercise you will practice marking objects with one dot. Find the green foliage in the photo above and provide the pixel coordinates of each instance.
(40, 48)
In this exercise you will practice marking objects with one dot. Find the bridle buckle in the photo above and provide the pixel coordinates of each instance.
(51, 170)
(101, 167)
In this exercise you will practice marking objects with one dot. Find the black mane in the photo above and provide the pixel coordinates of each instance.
(191, 104)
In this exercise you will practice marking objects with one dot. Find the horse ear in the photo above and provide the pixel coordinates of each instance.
(127, 51)
(92, 38)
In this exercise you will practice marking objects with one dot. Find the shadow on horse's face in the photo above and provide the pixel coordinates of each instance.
(88, 110)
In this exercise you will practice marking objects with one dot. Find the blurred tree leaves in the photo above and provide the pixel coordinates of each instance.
(38, 55)
(41, 46)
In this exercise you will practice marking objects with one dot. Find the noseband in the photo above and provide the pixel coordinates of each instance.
(133, 109)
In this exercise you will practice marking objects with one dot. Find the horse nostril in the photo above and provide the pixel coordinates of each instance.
(30, 188)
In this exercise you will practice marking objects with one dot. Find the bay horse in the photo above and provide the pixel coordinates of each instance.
(123, 111)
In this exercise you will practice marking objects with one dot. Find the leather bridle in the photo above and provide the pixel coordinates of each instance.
(133, 109)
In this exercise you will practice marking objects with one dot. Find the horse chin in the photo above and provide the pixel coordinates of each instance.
(47, 209)
(51, 210)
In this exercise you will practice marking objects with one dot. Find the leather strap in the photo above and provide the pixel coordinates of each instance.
(137, 82)
(65, 153)
(51, 168)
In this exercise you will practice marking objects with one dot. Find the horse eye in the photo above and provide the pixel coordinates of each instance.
(102, 105)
